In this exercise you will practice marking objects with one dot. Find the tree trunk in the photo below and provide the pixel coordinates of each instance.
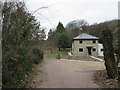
(119, 48)
(59, 49)
(109, 58)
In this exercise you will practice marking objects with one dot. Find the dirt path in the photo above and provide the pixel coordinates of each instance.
(64, 74)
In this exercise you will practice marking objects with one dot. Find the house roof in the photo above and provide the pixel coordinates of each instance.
(85, 36)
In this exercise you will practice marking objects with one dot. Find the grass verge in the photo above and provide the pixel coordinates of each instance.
(101, 78)
(57, 54)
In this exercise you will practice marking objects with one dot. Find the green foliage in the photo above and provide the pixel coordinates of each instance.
(58, 56)
(65, 49)
(60, 28)
(22, 51)
(63, 41)
(18, 26)
(53, 54)
(38, 55)
(62, 38)
(16, 68)
(59, 38)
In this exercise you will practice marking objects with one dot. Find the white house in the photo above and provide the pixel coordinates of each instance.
(85, 45)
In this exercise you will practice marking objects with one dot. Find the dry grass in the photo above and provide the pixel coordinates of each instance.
(89, 65)
(100, 77)
(35, 73)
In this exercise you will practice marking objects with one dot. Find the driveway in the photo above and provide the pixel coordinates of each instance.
(65, 74)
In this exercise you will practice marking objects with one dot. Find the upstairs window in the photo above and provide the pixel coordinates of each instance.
(80, 49)
(94, 49)
(94, 41)
(80, 42)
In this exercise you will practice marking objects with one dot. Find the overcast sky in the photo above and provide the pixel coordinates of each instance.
(93, 11)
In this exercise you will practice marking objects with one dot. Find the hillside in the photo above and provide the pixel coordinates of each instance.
(73, 30)
(97, 28)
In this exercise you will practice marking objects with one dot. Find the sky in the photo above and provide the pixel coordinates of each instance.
(93, 11)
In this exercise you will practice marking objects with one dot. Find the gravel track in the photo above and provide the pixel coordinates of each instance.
(66, 74)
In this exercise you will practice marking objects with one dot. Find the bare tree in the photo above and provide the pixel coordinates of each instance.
(109, 58)
(73, 27)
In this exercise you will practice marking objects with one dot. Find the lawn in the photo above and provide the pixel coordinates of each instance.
(57, 54)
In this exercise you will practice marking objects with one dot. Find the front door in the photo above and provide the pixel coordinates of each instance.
(89, 51)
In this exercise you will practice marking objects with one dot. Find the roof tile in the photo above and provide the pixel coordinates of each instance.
(85, 36)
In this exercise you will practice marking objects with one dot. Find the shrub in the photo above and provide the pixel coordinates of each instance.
(36, 61)
(63, 41)
(18, 28)
(38, 55)
(19, 65)
(58, 56)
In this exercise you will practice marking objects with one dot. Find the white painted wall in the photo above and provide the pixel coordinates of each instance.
(100, 47)
(76, 45)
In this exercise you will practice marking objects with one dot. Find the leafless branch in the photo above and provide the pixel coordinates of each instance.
(40, 8)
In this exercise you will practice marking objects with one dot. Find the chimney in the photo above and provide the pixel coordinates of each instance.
(80, 30)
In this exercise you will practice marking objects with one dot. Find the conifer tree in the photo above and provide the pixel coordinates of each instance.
(60, 28)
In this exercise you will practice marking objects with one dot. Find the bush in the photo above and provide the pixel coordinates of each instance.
(63, 41)
(36, 61)
(38, 55)
(58, 56)
(18, 27)
(19, 64)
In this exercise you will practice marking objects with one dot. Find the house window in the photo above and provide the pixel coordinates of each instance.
(80, 49)
(101, 50)
(94, 49)
(80, 42)
(94, 41)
